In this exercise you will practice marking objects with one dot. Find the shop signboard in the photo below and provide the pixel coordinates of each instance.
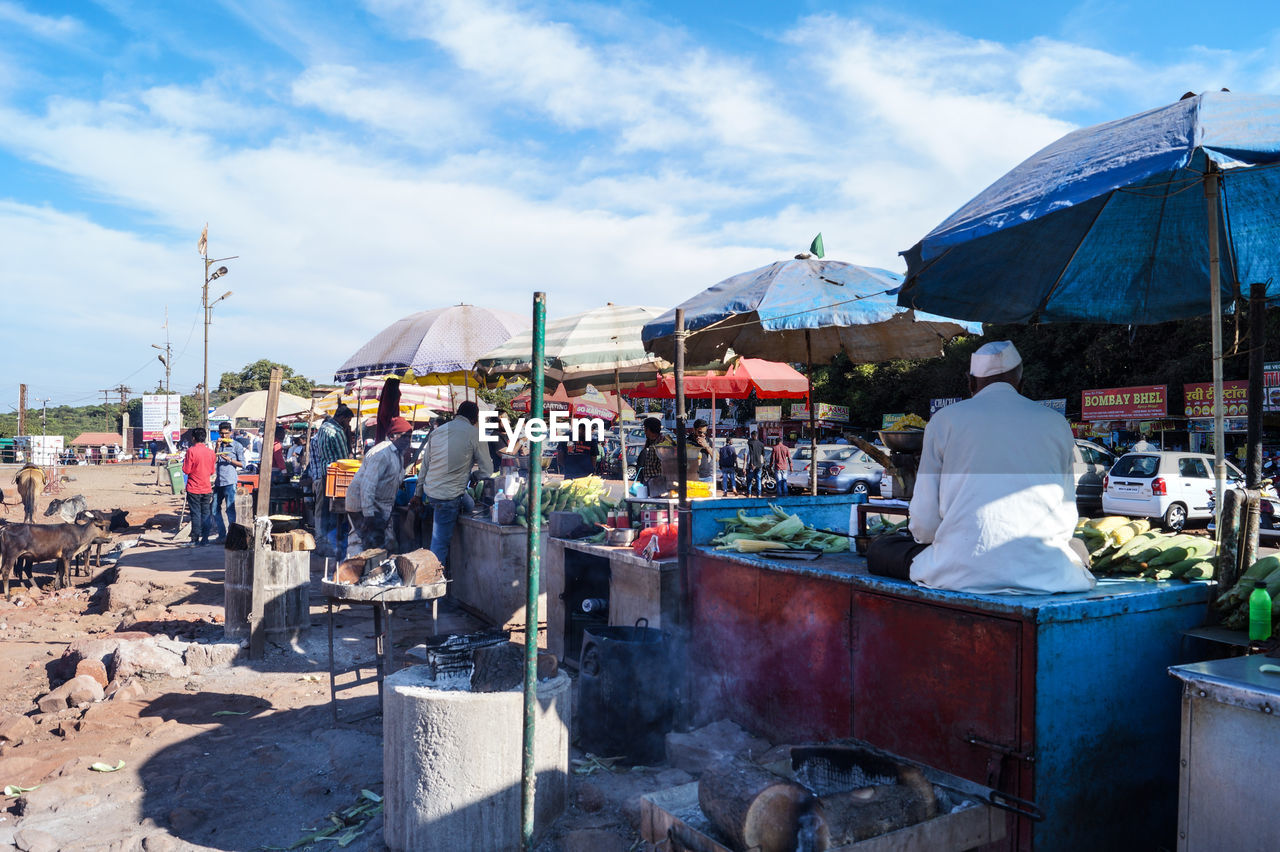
(939, 403)
(825, 411)
(1198, 399)
(159, 409)
(1271, 387)
(769, 412)
(1058, 405)
(1229, 424)
(889, 419)
(1142, 402)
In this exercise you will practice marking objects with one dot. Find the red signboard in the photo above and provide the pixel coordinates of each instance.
(1198, 399)
(1138, 403)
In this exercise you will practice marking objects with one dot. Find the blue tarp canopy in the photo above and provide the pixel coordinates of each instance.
(1109, 223)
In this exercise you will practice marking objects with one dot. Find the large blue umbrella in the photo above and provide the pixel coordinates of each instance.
(801, 311)
(1151, 218)
(804, 310)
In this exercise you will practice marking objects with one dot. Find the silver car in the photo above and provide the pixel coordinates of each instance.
(842, 469)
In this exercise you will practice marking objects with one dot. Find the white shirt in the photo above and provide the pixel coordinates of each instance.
(1142, 446)
(995, 496)
(373, 489)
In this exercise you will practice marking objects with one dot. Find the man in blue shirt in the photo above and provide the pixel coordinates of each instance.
(230, 457)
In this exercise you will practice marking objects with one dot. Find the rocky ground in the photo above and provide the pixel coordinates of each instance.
(128, 722)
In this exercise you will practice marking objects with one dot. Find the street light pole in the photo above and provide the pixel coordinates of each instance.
(208, 311)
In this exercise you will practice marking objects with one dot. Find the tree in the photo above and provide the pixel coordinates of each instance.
(257, 376)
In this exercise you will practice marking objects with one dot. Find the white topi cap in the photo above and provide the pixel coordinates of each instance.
(994, 358)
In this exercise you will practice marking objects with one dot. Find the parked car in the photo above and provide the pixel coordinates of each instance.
(1172, 486)
(842, 469)
(1091, 464)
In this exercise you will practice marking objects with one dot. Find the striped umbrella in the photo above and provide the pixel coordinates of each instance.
(445, 340)
(599, 347)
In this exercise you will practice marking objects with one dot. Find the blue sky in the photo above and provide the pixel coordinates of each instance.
(369, 160)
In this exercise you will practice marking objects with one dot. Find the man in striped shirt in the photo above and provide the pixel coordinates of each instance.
(328, 445)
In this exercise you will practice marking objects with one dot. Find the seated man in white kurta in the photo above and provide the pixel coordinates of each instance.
(993, 509)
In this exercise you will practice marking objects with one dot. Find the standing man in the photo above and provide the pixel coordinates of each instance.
(328, 445)
(446, 460)
(699, 442)
(230, 459)
(372, 492)
(650, 466)
(198, 466)
(994, 504)
(755, 464)
(728, 468)
(781, 461)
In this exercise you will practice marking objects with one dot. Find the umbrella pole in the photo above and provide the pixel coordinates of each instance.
(534, 560)
(1211, 184)
(1257, 363)
(622, 436)
(714, 484)
(813, 432)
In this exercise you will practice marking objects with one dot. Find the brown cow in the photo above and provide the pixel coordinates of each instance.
(30, 481)
(38, 542)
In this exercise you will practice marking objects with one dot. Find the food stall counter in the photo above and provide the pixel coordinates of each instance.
(1038, 695)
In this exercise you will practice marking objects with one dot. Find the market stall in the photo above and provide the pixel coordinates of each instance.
(1040, 696)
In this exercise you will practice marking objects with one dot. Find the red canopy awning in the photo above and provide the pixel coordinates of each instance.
(767, 379)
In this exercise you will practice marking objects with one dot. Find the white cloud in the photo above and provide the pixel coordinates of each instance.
(61, 28)
(422, 119)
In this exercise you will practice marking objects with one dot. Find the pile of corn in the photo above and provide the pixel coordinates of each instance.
(1233, 607)
(773, 530)
(910, 421)
(1118, 545)
(588, 496)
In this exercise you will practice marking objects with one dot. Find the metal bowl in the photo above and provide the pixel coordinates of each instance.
(904, 440)
(621, 537)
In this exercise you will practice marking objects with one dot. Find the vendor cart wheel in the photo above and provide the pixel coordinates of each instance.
(1175, 517)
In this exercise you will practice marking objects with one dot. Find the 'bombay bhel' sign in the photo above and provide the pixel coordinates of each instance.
(1137, 403)
(1197, 399)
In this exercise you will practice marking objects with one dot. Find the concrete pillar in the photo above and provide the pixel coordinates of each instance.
(451, 763)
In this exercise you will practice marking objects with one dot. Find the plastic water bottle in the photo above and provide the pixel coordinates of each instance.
(1259, 612)
(601, 604)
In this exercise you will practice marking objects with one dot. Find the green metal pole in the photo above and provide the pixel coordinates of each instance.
(528, 775)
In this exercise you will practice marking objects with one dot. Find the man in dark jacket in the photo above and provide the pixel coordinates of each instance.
(755, 464)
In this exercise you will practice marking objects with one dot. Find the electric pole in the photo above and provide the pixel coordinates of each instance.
(106, 415)
(203, 249)
(22, 409)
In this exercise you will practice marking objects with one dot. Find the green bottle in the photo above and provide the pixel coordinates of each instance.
(1259, 612)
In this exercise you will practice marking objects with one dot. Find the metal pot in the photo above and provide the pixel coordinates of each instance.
(621, 537)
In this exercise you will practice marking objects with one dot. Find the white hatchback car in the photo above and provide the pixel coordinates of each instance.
(1172, 486)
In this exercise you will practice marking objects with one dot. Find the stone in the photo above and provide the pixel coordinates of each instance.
(201, 657)
(590, 797)
(548, 665)
(159, 842)
(14, 729)
(592, 840)
(182, 820)
(56, 700)
(94, 669)
(35, 840)
(84, 690)
(125, 595)
(144, 658)
(101, 648)
(696, 750)
(674, 778)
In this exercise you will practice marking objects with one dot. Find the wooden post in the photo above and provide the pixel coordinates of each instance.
(262, 523)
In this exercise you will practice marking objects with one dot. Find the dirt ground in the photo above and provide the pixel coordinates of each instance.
(233, 755)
